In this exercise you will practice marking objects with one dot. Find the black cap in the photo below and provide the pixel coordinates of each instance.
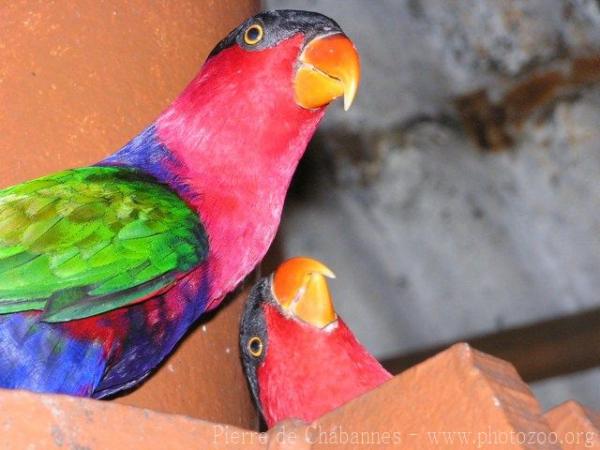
(278, 25)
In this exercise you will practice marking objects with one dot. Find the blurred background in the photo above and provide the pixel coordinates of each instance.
(459, 198)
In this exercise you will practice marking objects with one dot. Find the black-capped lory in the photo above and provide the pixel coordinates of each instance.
(300, 358)
(104, 268)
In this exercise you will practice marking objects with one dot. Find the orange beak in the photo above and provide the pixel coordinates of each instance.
(300, 287)
(329, 68)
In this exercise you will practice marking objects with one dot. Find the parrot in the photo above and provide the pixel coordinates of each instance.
(300, 359)
(104, 268)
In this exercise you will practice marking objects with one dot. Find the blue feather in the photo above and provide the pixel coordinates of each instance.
(41, 357)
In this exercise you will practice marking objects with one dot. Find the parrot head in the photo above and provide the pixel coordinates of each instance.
(325, 62)
(237, 132)
(267, 83)
(300, 358)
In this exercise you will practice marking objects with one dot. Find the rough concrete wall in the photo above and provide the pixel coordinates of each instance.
(419, 54)
(431, 238)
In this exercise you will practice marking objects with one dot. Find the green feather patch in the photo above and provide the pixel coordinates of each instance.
(90, 240)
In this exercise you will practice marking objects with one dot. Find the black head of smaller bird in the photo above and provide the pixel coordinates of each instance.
(300, 358)
(294, 301)
(253, 335)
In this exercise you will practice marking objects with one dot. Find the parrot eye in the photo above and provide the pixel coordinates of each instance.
(255, 346)
(254, 34)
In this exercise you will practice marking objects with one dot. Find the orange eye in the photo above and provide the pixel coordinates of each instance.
(254, 34)
(255, 346)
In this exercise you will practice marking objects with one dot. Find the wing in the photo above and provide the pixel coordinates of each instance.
(90, 240)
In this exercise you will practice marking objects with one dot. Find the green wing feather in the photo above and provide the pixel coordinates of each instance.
(90, 240)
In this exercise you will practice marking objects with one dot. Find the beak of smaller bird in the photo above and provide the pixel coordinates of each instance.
(329, 68)
(300, 288)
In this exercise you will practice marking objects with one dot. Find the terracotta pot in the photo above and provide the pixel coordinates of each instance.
(78, 80)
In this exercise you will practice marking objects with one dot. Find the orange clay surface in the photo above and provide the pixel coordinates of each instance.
(459, 399)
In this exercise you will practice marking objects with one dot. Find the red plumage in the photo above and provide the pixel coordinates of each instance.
(308, 371)
(248, 154)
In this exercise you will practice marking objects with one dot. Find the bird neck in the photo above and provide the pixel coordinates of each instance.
(229, 145)
(308, 372)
